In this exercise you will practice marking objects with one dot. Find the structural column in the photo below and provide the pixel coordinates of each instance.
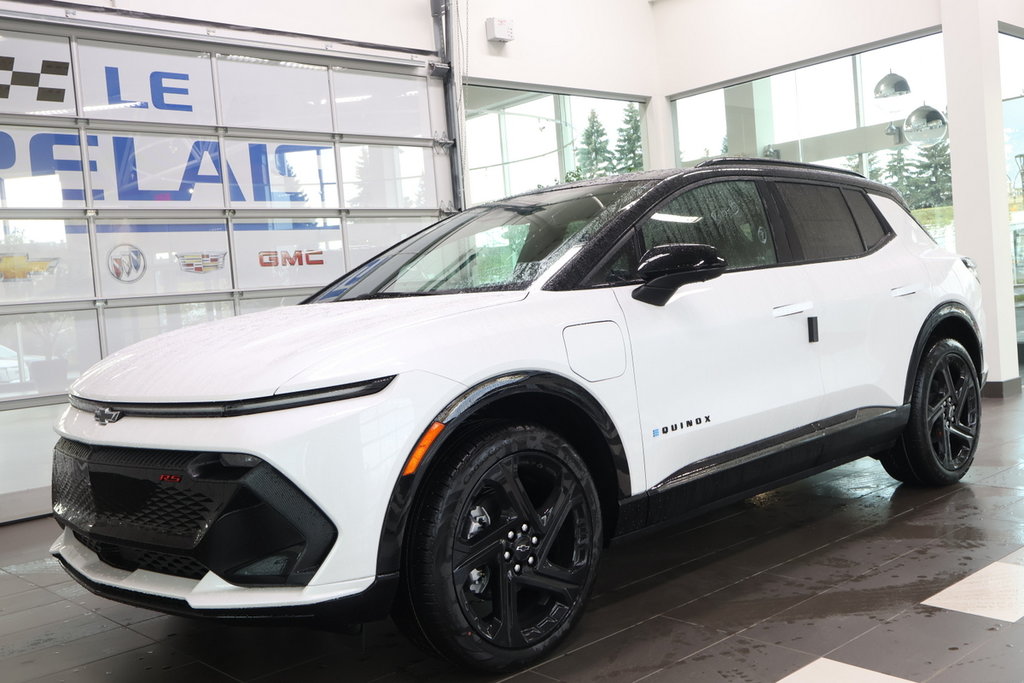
(971, 38)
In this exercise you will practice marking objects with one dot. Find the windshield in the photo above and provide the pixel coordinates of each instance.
(501, 246)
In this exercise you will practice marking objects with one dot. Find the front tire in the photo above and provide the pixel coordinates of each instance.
(937, 447)
(502, 552)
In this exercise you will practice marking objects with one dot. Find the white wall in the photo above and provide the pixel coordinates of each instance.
(600, 45)
(398, 23)
(706, 42)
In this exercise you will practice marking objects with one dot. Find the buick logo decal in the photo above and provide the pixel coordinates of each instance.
(106, 415)
(126, 263)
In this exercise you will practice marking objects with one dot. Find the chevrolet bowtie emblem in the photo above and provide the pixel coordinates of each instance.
(106, 415)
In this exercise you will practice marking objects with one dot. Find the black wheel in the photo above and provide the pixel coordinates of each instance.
(938, 445)
(502, 553)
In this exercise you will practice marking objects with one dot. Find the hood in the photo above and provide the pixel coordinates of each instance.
(257, 355)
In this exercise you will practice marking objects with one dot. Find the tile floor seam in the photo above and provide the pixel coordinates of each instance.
(861, 635)
(87, 612)
(605, 637)
(953, 664)
(267, 674)
(692, 654)
(79, 664)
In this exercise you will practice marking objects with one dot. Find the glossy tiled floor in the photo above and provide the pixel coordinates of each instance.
(842, 577)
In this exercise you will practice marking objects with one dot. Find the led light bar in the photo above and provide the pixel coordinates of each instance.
(247, 406)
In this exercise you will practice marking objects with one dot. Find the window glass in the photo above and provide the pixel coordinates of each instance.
(131, 170)
(44, 260)
(250, 93)
(855, 112)
(41, 353)
(288, 252)
(701, 125)
(871, 230)
(367, 237)
(621, 267)
(146, 257)
(44, 85)
(1011, 59)
(129, 83)
(367, 103)
(125, 326)
(821, 221)
(279, 174)
(41, 168)
(383, 177)
(519, 140)
(728, 215)
(247, 306)
(506, 245)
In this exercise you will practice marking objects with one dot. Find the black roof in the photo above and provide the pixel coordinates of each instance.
(719, 164)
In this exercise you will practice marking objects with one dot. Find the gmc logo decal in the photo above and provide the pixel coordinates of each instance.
(309, 257)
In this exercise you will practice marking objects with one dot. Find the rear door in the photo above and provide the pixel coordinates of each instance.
(868, 290)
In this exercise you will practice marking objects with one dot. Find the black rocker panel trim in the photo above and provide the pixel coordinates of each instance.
(743, 472)
(467, 406)
(373, 603)
(941, 314)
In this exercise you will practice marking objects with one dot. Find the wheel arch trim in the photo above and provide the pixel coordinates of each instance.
(463, 408)
(949, 310)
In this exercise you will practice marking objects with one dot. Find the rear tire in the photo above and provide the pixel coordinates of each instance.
(938, 445)
(502, 550)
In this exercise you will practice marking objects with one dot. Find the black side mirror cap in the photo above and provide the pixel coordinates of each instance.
(666, 268)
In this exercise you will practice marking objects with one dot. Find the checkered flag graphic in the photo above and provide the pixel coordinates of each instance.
(30, 79)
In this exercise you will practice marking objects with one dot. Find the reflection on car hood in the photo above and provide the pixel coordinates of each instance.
(256, 355)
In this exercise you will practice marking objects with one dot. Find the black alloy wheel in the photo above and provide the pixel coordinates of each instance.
(504, 548)
(945, 419)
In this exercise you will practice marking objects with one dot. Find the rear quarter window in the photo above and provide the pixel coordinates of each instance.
(871, 230)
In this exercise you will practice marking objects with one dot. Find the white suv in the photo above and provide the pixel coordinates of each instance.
(451, 432)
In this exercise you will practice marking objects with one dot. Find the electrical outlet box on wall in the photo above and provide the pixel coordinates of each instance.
(499, 30)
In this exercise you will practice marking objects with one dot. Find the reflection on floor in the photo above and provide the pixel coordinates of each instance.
(842, 577)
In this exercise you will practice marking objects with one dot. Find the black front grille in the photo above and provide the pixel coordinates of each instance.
(149, 494)
(126, 557)
(186, 513)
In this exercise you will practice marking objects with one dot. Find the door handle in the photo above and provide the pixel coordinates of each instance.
(905, 290)
(792, 309)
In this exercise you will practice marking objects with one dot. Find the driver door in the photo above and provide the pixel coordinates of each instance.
(727, 362)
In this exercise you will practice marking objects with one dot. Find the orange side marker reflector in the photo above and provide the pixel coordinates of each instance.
(424, 444)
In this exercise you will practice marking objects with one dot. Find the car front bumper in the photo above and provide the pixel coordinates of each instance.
(343, 458)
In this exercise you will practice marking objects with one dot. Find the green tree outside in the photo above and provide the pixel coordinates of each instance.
(629, 152)
(594, 158)
(931, 183)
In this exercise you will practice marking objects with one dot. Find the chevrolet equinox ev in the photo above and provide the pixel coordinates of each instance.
(453, 431)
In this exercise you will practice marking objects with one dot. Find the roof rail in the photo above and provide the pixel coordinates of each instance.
(732, 161)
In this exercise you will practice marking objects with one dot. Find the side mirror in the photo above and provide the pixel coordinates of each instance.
(666, 268)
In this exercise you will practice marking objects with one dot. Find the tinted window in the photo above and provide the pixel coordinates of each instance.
(871, 230)
(728, 215)
(821, 221)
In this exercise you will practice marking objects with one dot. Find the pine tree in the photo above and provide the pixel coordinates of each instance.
(933, 184)
(593, 158)
(898, 174)
(872, 171)
(629, 153)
